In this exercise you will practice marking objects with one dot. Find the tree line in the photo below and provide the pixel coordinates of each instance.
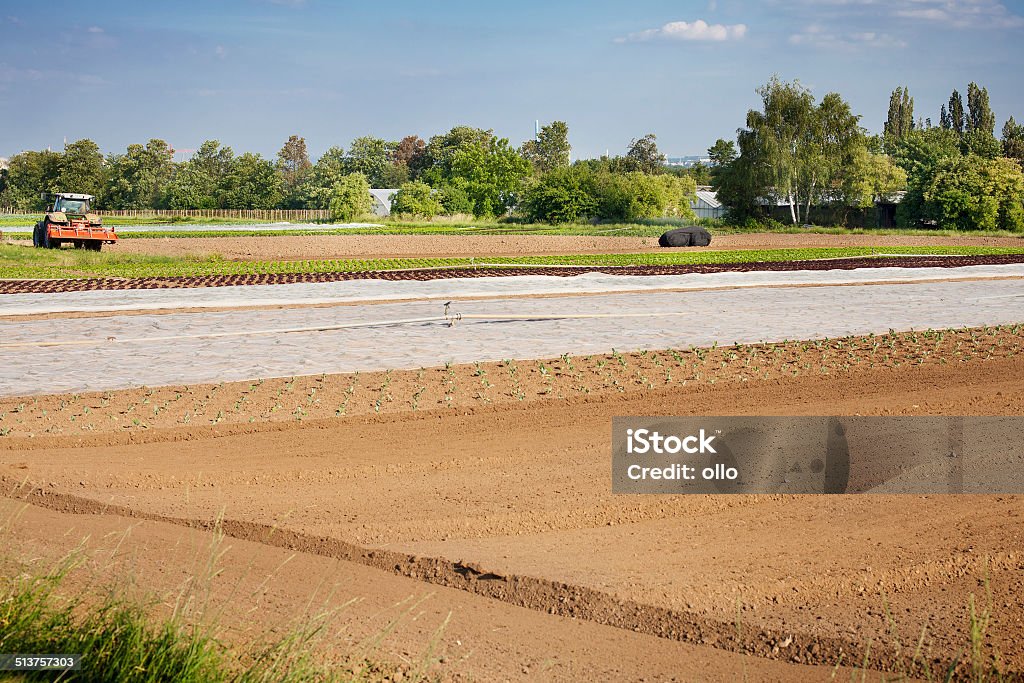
(800, 154)
(794, 153)
(464, 171)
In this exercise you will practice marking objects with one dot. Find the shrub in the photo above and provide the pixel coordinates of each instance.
(629, 196)
(974, 193)
(350, 198)
(578, 193)
(455, 200)
(563, 195)
(416, 199)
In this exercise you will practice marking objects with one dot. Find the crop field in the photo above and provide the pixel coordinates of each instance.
(407, 478)
(27, 263)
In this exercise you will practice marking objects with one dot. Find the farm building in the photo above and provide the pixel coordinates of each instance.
(706, 204)
(881, 215)
(382, 201)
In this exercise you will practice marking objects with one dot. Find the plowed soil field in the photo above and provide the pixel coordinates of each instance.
(486, 487)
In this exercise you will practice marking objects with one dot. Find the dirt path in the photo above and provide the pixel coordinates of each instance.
(380, 246)
(517, 496)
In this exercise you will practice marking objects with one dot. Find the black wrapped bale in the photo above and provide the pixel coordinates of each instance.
(692, 236)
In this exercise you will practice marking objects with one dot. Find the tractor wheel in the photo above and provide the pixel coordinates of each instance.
(94, 245)
(45, 238)
(37, 236)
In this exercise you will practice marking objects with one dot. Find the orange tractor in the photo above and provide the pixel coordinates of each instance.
(68, 220)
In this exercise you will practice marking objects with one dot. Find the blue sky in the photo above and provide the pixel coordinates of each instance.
(252, 72)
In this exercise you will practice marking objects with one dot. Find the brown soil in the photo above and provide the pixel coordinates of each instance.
(380, 246)
(143, 415)
(174, 282)
(502, 504)
(399, 622)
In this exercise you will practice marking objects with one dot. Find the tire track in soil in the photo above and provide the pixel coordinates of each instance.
(57, 286)
(551, 597)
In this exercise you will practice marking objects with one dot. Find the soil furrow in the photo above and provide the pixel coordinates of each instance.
(551, 597)
(26, 286)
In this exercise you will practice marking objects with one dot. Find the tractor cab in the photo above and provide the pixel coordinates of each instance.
(70, 203)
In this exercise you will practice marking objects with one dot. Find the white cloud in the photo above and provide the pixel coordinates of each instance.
(11, 74)
(16, 75)
(94, 29)
(961, 13)
(685, 30)
(953, 13)
(220, 51)
(817, 36)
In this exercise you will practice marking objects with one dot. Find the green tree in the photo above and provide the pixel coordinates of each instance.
(979, 113)
(804, 148)
(29, 174)
(679, 192)
(838, 141)
(723, 152)
(139, 178)
(791, 151)
(294, 166)
(416, 199)
(974, 193)
(741, 184)
(920, 155)
(470, 165)
(351, 198)
(393, 176)
(252, 182)
(980, 143)
(563, 195)
(644, 154)
(957, 118)
(454, 200)
(901, 114)
(441, 150)
(189, 189)
(630, 196)
(1013, 141)
(80, 168)
(373, 158)
(491, 174)
(551, 148)
(778, 138)
(700, 172)
(318, 187)
(872, 178)
(978, 135)
(945, 120)
(198, 182)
